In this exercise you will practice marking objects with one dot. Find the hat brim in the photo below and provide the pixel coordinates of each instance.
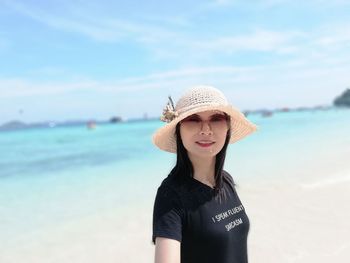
(165, 139)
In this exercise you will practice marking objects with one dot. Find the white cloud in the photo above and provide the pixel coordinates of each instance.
(97, 28)
(173, 42)
(156, 36)
(260, 40)
(292, 76)
(266, 86)
(209, 48)
(334, 36)
(11, 88)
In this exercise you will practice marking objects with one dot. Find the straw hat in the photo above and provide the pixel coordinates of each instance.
(198, 99)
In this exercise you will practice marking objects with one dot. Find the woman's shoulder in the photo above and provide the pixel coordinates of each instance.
(178, 187)
(169, 182)
(228, 178)
(170, 185)
(171, 193)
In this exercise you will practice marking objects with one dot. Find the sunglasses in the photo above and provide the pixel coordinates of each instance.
(216, 121)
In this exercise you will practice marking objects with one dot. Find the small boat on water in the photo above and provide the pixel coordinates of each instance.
(266, 113)
(91, 125)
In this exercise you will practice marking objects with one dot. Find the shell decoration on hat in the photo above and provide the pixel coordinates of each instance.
(169, 112)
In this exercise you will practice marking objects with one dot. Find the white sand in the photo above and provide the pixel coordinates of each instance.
(303, 215)
(299, 223)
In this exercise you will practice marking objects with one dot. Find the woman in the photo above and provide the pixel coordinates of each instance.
(198, 216)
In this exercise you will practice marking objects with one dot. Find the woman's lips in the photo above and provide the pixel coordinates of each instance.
(205, 144)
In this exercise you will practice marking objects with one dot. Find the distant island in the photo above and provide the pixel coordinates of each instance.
(18, 125)
(343, 100)
(90, 123)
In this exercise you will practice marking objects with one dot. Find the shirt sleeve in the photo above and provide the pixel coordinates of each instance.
(167, 215)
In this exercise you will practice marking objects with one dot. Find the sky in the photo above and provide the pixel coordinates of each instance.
(68, 60)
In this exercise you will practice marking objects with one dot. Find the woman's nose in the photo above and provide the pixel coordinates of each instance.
(205, 128)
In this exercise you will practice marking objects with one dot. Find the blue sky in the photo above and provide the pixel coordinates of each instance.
(64, 60)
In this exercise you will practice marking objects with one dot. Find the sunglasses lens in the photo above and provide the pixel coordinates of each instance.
(216, 121)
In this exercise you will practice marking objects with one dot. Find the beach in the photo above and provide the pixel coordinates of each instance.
(292, 179)
(299, 223)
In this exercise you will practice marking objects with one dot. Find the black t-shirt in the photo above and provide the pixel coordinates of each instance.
(211, 228)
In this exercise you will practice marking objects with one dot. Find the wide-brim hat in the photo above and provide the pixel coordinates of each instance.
(199, 99)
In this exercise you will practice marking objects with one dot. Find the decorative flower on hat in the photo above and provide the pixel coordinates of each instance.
(169, 112)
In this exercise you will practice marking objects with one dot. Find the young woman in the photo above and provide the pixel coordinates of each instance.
(198, 216)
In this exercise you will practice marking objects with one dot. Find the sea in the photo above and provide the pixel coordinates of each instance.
(51, 177)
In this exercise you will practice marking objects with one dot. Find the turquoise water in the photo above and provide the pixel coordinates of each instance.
(49, 177)
(41, 152)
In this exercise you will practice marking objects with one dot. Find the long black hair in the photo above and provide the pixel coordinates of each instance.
(184, 167)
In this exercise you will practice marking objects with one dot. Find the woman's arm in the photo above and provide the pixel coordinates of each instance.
(167, 250)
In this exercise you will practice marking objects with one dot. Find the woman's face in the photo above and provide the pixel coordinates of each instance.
(203, 134)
